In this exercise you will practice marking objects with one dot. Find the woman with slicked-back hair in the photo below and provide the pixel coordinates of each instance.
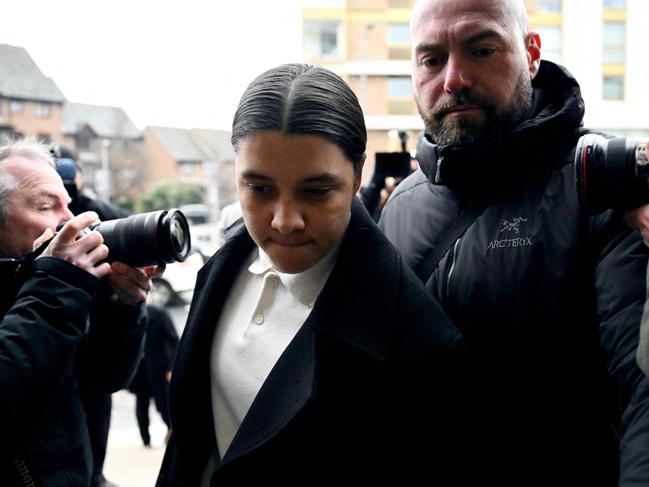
(311, 354)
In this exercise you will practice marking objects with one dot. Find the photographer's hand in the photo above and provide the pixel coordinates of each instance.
(638, 218)
(132, 284)
(84, 252)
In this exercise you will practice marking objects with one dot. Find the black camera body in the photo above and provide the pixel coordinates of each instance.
(394, 164)
(155, 238)
(611, 173)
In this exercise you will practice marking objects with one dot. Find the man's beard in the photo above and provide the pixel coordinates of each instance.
(467, 131)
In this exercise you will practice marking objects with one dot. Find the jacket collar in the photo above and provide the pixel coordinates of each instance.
(364, 253)
(557, 113)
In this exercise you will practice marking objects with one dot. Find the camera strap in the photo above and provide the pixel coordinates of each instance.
(26, 474)
(467, 216)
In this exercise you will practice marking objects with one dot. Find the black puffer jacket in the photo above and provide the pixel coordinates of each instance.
(548, 298)
(47, 355)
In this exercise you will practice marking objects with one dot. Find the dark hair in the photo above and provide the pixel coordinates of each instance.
(303, 99)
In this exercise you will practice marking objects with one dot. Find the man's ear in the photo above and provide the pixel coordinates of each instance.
(533, 51)
(358, 174)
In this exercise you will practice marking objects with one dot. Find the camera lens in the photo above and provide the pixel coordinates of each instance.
(159, 237)
(174, 235)
(609, 173)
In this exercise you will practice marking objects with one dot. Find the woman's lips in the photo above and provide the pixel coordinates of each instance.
(290, 243)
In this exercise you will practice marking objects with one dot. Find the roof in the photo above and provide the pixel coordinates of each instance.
(21, 78)
(194, 145)
(106, 122)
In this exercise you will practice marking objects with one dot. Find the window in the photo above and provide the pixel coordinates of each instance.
(549, 6)
(17, 106)
(399, 87)
(550, 42)
(188, 169)
(321, 39)
(398, 33)
(128, 174)
(43, 110)
(613, 88)
(615, 4)
(614, 42)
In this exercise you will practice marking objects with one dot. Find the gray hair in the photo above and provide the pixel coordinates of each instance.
(27, 149)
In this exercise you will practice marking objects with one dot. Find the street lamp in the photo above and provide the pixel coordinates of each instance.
(104, 187)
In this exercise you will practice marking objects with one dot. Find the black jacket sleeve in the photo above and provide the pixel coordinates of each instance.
(39, 336)
(115, 343)
(620, 292)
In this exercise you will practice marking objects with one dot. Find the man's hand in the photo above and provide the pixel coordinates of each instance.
(132, 284)
(639, 217)
(85, 252)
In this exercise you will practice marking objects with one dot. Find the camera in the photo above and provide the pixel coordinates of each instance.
(394, 164)
(155, 238)
(611, 173)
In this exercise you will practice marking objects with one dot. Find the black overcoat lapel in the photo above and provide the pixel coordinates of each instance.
(190, 389)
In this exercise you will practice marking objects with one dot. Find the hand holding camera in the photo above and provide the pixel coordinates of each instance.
(132, 284)
(87, 252)
(131, 250)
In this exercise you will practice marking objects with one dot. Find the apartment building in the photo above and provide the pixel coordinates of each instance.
(602, 42)
(30, 103)
(367, 42)
(110, 149)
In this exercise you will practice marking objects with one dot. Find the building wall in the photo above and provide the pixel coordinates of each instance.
(160, 165)
(582, 53)
(29, 123)
(366, 61)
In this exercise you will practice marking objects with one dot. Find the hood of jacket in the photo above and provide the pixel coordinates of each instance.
(557, 113)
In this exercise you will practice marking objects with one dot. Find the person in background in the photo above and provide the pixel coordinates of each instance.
(547, 297)
(310, 351)
(154, 373)
(229, 214)
(97, 404)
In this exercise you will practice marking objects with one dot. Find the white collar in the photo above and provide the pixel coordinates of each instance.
(306, 285)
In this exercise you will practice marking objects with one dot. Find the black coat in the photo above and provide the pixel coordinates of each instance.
(365, 380)
(43, 323)
(50, 355)
(547, 297)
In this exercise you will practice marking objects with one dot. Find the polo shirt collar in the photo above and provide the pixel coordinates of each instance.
(306, 285)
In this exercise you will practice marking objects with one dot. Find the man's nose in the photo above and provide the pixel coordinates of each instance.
(66, 214)
(287, 217)
(457, 76)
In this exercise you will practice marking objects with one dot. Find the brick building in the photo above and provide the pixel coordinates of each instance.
(30, 103)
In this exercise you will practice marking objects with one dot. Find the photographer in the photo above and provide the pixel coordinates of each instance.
(390, 169)
(48, 354)
(547, 295)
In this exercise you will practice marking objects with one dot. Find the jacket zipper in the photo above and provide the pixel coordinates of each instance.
(449, 274)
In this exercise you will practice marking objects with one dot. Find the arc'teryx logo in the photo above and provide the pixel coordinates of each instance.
(515, 227)
(506, 226)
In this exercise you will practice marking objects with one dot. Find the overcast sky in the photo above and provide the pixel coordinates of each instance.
(172, 63)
